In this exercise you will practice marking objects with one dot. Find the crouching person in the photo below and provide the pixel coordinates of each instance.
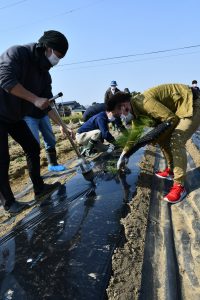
(91, 135)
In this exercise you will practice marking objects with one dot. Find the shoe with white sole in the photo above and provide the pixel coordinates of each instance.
(166, 174)
(176, 194)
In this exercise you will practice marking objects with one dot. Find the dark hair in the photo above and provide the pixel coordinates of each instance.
(194, 81)
(55, 40)
(126, 90)
(116, 100)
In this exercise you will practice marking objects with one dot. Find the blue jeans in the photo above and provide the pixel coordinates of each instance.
(42, 125)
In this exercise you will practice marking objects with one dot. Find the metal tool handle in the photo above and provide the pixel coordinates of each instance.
(62, 123)
(56, 96)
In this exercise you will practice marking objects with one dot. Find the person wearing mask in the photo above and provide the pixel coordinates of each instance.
(25, 85)
(112, 90)
(94, 131)
(194, 85)
(126, 116)
(179, 106)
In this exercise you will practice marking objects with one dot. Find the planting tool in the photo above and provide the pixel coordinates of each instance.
(86, 167)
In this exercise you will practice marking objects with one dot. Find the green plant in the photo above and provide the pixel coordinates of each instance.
(75, 118)
(135, 132)
(111, 167)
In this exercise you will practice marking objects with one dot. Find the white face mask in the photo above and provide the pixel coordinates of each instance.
(53, 59)
(111, 119)
(194, 85)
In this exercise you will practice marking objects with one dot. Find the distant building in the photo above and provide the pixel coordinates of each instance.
(69, 107)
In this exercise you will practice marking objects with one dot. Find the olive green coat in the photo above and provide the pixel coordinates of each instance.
(174, 103)
(164, 102)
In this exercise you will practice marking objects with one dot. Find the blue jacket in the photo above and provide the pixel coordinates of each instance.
(93, 110)
(97, 108)
(99, 121)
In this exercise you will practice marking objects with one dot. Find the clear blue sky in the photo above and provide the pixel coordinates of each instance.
(107, 28)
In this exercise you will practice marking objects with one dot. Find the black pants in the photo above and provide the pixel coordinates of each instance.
(20, 132)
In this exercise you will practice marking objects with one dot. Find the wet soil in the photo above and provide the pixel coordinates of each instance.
(173, 264)
(67, 241)
(127, 261)
(128, 258)
(19, 178)
(18, 172)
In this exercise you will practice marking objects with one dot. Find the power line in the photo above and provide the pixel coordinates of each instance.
(54, 16)
(129, 55)
(12, 4)
(130, 61)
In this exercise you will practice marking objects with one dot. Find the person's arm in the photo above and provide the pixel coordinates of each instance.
(12, 63)
(56, 120)
(103, 127)
(120, 125)
(141, 142)
(19, 91)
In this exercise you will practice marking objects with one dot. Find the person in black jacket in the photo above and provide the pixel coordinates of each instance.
(112, 90)
(25, 84)
(93, 110)
(195, 86)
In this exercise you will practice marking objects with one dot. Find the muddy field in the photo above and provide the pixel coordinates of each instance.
(127, 261)
(19, 178)
(18, 170)
(170, 267)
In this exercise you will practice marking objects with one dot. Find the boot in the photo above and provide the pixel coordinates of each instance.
(88, 149)
(46, 190)
(52, 161)
(16, 207)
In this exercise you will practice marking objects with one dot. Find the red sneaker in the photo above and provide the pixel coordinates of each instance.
(167, 173)
(176, 194)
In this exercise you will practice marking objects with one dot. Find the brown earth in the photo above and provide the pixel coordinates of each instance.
(19, 178)
(18, 172)
(128, 258)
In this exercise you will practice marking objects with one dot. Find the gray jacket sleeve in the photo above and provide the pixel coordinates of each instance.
(11, 65)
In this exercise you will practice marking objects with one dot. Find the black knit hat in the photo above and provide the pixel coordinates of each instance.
(55, 40)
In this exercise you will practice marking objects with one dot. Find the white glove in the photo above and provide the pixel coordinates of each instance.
(110, 149)
(122, 161)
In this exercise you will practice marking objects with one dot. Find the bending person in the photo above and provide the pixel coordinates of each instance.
(180, 105)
